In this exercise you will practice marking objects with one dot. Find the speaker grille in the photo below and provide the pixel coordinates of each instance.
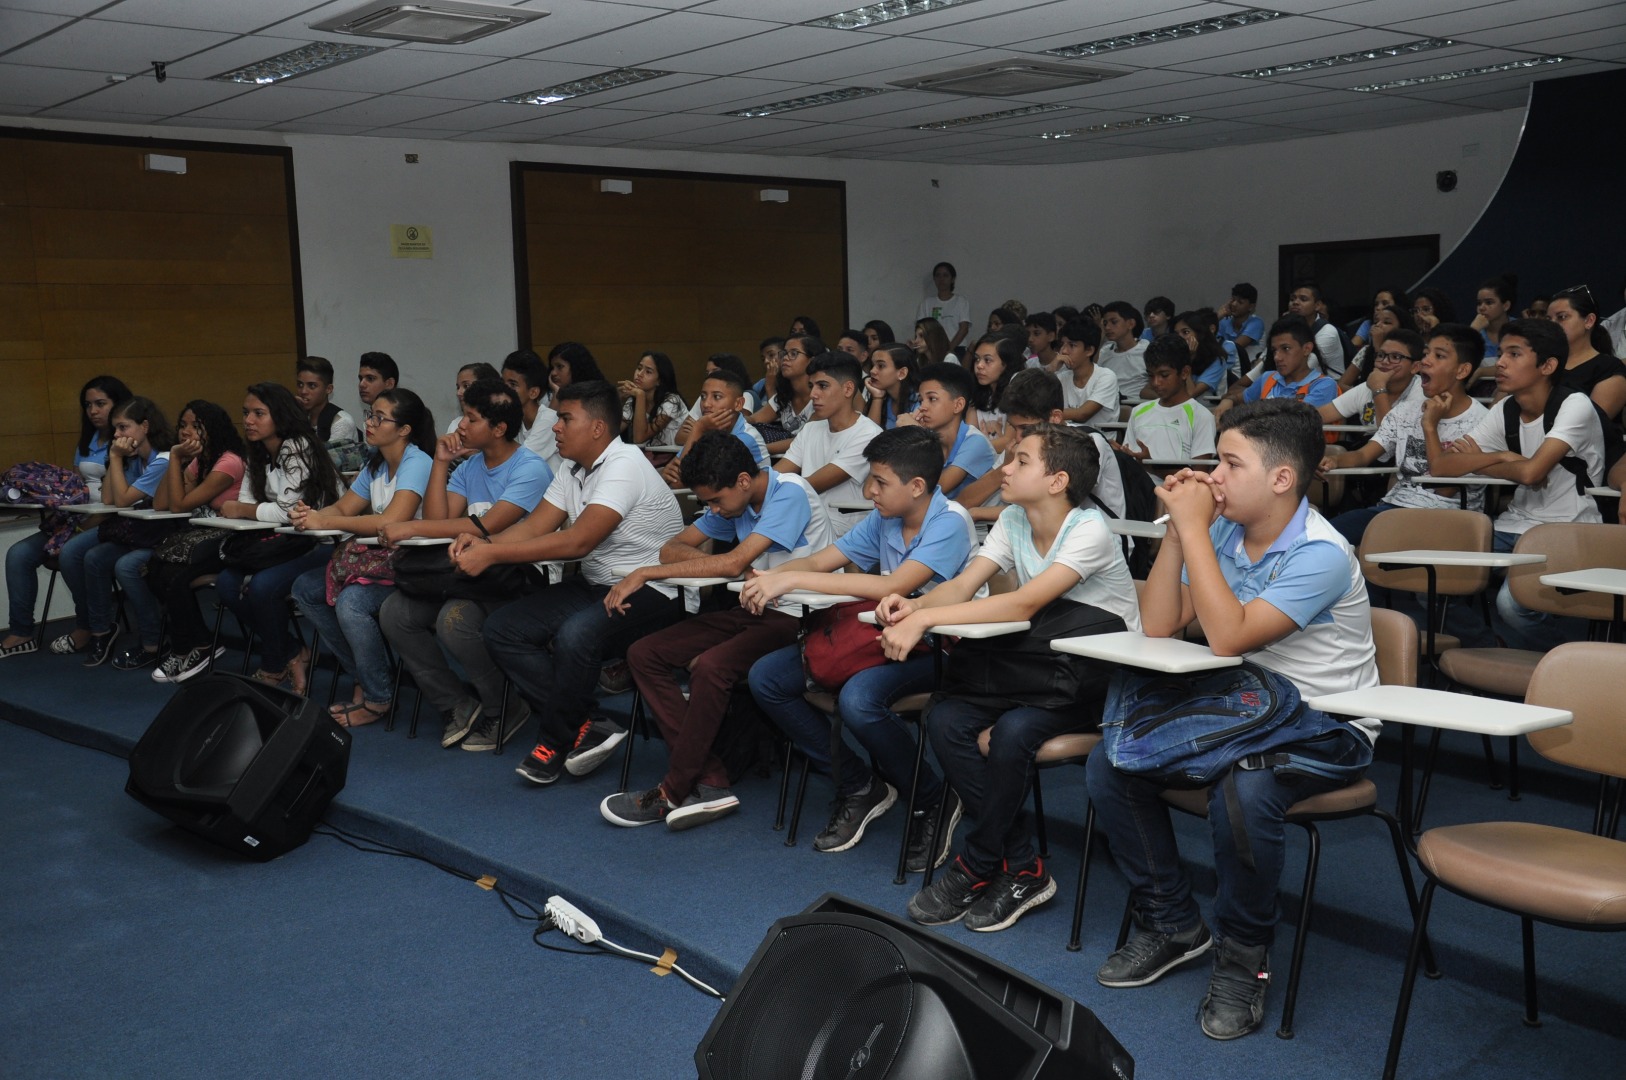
(825, 1003)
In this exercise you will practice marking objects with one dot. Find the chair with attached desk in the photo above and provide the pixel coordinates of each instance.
(1541, 873)
(1395, 636)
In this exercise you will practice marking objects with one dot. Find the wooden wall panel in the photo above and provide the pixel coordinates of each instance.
(690, 265)
(182, 286)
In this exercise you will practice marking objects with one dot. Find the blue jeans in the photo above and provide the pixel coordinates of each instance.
(350, 628)
(552, 645)
(262, 604)
(1135, 822)
(778, 682)
(995, 788)
(1522, 628)
(90, 568)
(23, 561)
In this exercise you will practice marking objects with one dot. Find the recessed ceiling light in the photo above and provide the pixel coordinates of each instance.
(1116, 125)
(1009, 78)
(296, 62)
(1465, 73)
(789, 104)
(1385, 53)
(444, 22)
(1232, 21)
(594, 84)
(983, 118)
(887, 11)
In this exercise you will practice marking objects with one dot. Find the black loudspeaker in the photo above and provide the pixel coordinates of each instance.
(844, 991)
(246, 765)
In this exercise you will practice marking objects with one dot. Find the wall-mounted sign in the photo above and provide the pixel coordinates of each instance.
(411, 242)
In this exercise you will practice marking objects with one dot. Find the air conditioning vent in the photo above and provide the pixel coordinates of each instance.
(441, 23)
(1010, 78)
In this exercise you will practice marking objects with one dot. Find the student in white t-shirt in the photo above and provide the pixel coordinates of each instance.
(1090, 391)
(1173, 427)
(1124, 353)
(951, 311)
(1391, 380)
(1056, 549)
(1553, 464)
(829, 450)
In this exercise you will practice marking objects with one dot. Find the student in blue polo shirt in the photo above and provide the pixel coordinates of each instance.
(722, 404)
(917, 538)
(945, 395)
(770, 517)
(1291, 344)
(502, 483)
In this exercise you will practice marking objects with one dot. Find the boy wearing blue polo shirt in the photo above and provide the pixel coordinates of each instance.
(722, 399)
(489, 492)
(1292, 344)
(945, 394)
(917, 538)
(1273, 583)
(772, 517)
(1240, 326)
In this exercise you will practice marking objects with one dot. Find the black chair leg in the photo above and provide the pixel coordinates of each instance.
(1527, 928)
(1490, 763)
(1402, 859)
(1512, 767)
(1038, 815)
(942, 823)
(1398, 1032)
(634, 722)
(395, 693)
(1123, 927)
(909, 816)
(784, 786)
(1074, 943)
(801, 794)
(502, 718)
(45, 615)
(1416, 822)
(1312, 863)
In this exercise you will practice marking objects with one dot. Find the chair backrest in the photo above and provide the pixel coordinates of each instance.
(1568, 546)
(1444, 530)
(1395, 636)
(1584, 677)
(1003, 582)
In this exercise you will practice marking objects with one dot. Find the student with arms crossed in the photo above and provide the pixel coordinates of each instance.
(1273, 583)
(945, 397)
(488, 493)
(1056, 549)
(608, 508)
(771, 518)
(829, 450)
(1560, 454)
(914, 539)
(1173, 427)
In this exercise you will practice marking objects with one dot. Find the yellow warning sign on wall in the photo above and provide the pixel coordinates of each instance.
(411, 242)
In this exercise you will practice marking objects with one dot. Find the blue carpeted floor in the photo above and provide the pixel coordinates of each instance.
(130, 949)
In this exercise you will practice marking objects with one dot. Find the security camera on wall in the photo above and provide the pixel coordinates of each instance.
(1446, 180)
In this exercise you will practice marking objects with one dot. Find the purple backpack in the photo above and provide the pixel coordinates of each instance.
(49, 485)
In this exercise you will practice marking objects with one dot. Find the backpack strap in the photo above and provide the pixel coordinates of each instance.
(1570, 463)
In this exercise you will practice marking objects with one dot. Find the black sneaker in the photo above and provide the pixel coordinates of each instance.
(484, 735)
(595, 742)
(542, 765)
(1010, 897)
(179, 667)
(460, 723)
(135, 658)
(615, 677)
(704, 804)
(630, 809)
(948, 898)
(923, 838)
(1235, 1002)
(851, 815)
(1148, 955)
(100, 647)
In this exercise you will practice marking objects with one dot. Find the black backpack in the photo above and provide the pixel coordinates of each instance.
(1613, 445)
(1140, 504)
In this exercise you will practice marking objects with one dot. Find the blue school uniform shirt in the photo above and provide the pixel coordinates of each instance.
(1252, 328)
(783, 519)
(889, 415)
(378, 487)
(522, 480)
(943, 544)
(972, 452)
(1319, 393)
(145, 474)
(746, 432)
(97, 455)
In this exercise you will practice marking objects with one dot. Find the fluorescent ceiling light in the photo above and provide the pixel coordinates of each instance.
(1116, 125)
(1388, 51)
(830, 98)
(296, 62)
(443, 22)
(983, 118)
(886, 11)
(1009, 78)
(609, 80)
(1465, 73)
(1249, 17)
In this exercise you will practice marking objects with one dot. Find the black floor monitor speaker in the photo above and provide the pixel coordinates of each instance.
(246, 765)
(845, 991)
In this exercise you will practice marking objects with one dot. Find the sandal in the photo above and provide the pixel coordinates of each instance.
(347, 715)
(299, 670)
(270, 678)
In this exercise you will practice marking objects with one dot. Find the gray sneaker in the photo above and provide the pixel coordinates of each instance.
(704, 804)
(595, 742)
(1235, 1002)
(1149, 955)
(462, 722)
(630, 809)
(849, 817)
(484, 735)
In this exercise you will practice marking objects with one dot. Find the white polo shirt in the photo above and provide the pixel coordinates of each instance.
(623, 480)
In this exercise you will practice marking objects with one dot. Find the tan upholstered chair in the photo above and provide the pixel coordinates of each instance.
(1541, 873)
(1442, 530)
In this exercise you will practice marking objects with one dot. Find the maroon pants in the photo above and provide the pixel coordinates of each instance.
(718, 649)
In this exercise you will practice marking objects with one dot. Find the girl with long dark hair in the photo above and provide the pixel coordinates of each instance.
(652, 408)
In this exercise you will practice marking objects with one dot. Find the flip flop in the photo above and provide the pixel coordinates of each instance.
(346, 717)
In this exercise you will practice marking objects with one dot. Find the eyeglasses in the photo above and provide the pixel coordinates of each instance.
(378, 418)
(1395, 357)
(1575, 290)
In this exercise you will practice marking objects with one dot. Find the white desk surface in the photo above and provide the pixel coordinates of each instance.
(236, 524)
(1111, 425)
(1366, 428)
(1442, 709)
(1365, 470)
(1139, 651)
(24, 506)
(1425, 557)
(663, 448)
(967, 630)
(801, 596)
(156, 515)
(1600, 579)
(1603, 492)
(680, 492)
(1144, 530)
(680, 582)
(421, 541)
(89, 508)
(1471, 478)
(315, 534)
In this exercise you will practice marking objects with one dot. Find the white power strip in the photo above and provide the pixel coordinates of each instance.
(573, 921)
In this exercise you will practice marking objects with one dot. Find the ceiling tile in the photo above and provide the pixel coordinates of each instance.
(894, 58)
(1037, 27)
(54, 7)
(668, 36)
(764, 53)
(91, 45)
(145, 94)
(227, 16)
(708, 93)
(42, 87)
(393, 69)
(503, 79)
(1604, 21)
(20, 26)
(97, 116)
(665, 125)
(272, 104)
(388, 109)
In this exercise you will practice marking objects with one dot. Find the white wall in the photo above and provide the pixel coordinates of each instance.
(1188, 225)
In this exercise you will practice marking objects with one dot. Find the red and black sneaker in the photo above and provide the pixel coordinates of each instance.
(542, 765)
(948, 898)
(1011, 896)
